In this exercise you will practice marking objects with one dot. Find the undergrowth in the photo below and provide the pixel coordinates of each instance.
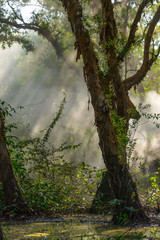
(47, 181)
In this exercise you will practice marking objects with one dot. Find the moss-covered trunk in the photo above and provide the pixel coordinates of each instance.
(128, 203)
(110, 101)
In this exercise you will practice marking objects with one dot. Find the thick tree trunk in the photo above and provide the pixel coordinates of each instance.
(99, 85)
(104, 195)
(13, 198)
(128, 207)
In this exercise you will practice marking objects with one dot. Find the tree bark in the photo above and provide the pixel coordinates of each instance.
(12, 195)
(122, 184)
(98, 84)
(1, 234)
(104, 195)
(121, 181)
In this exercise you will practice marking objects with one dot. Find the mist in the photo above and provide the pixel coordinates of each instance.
(37, 81)
(37, 84)
(147, 134)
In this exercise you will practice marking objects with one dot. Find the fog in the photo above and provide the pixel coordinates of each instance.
(147, 133)
(37, 81)
(37, 84)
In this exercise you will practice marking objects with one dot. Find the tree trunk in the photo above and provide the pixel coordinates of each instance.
(128, 207)
(1, 234)
(13, 198)
(105, 102)
(104, 195)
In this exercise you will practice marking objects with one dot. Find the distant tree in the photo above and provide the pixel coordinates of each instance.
(49, 23)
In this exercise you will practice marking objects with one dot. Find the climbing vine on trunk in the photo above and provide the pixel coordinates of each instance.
(113, 111)
(102, 60)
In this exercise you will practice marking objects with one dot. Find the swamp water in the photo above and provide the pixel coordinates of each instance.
(77, 228)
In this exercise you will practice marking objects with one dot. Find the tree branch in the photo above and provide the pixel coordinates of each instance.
(134, 27)
(83, 44)
(147, 62)
(108, 31)
(121, 3)
(16, 14)
(109, 23)
(85, 47)
(24, 26)
(47, 34)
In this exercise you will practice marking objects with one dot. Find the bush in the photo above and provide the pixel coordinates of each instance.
(47, 182)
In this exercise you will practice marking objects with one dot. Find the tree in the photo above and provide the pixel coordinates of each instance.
(12, 20)
(1, 234)
(109, 94)
(106, 85)
(12, 194)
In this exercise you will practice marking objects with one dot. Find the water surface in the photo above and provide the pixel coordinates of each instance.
(81, 227)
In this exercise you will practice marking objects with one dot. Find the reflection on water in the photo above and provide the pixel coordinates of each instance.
(73, 229)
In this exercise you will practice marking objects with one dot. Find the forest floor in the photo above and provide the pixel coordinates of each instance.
(72, 225)
(83, 216)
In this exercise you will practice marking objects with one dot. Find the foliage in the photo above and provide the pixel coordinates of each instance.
(128, 142)
(148, 183)
(47, 182)
(114, 49)
(44, 17)
(153, 196)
